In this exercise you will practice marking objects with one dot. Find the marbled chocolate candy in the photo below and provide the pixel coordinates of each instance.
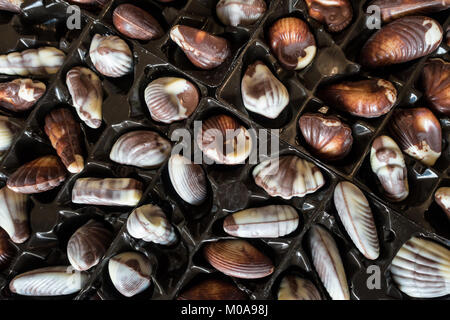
(20, 94)
(436, 84)
(442, 198)
(296, 288)
(335, 14)
(13, 215)
(240, 12)
(213, 289)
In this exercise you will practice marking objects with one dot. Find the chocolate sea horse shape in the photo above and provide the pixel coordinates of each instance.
(203, 49)
(403, 40)
(366, 98)
(39, 62)
(85, 88)
(11, 5)
(240, 12)
(40, 175)
(419, 134)
(107, 192)
(13, 215)
(265, 222)
(394, 9)
(295, 288)
(436, 84)
(20, 94)
(355, 214)
(421, 269)
(64, 133)
(442, 198)
(336, 14)
(49, 281)
(328, 263)
(213, 289)
(387, 162)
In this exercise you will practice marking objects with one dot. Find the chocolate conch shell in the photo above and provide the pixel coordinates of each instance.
(288, 176)
(42, 61)
(387, 162)
(240, 12)
(85, 88)
(296, 288)
(149, 223)
(336, 14)
(356, 216)
(436, 84)
(421, 269)
(21, 94)
(13, 215)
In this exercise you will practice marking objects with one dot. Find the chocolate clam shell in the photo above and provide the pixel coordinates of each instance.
(436, 84)
(240, 12)
(335, 14)
(403, 40)
(238, 258)
(213, 289)
(13, 215)
(295, 288)
(442, 198)
(21, 94)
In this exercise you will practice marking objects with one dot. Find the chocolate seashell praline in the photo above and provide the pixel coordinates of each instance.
(8, 130)
(11, 5)
(203, 49)
(240, 12)
(365, 98)
(442, 198)
(335, 14)
(403, 40)
(436, 84)
(329, 138)
(21, 94)
(14, 215)
(136, 23)
(213, 289)
(6, 250)
(296, 288)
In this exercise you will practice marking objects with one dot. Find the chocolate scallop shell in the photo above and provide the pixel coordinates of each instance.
(403, 40)
(262, 92)
(39, 175)
(111, 56)
(366, 98)
(130, 273)
(387, 162)
(188, 179)
(6, 250)
(328, 137)
(288, 176)
(292, 42)
(296, 288)
(13, 215)
(442, 198)
(265, 222)
(328, 263)
(203, 49)
(436, 84)
(88, 244)
(240, 12)
(141, 148)
(356, 216)
(171, 99)
(149, 223)
(238, 258)
(213, 289)
(224, 140)
(21, 94)
(421, 269)
(49, 281)
(418, 133)
(335, 14)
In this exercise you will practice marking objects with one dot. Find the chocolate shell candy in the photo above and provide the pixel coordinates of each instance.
(448, 36)
(87, 95)
(327, 136)
(204, 50)
(149, 223)
(49, 281)
(418, 133)
(355, 214)
(88, 245)
(224, 140)
(64, 133)
(111, 56)
(391, 10)
(213, 289)
(171, 99)
(240, 12)
(130, 273)
(135, 23)
(335, 14)
(296, 288)
(107, 192)
(8, 130)
(20, 94)
(328, 263)
(140, 148)
(421, 269)
(238, 258)
(262, 92)
(6, 250)
(40, 175)
(436, 84)
(266, 222)
(388, 164)
(442, 198)
(11, 5)
(292, 42)
(288, 176)
(13, 215)
(366, 98)
(403, 40)
(188, 179)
